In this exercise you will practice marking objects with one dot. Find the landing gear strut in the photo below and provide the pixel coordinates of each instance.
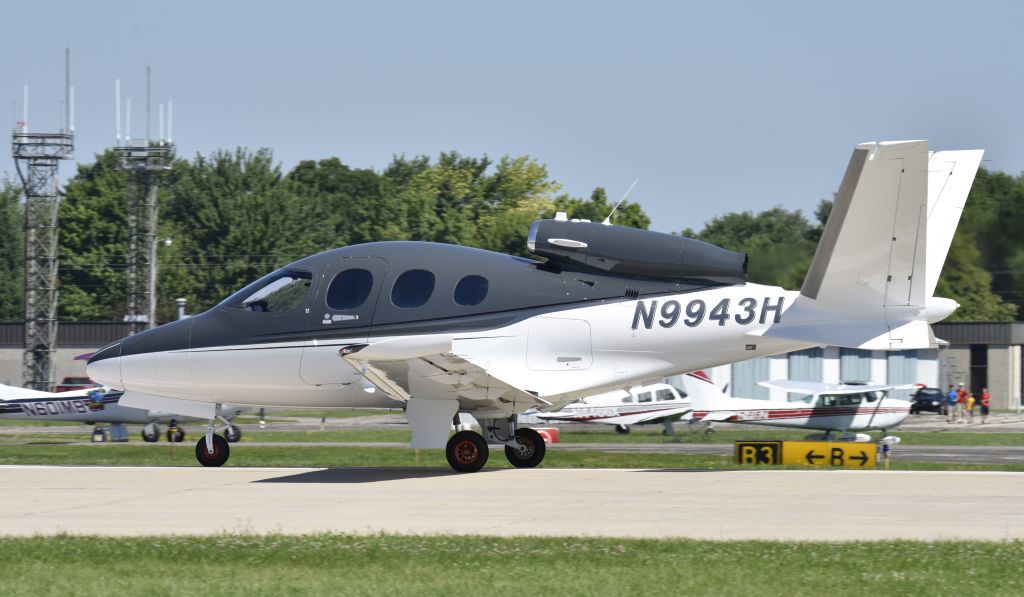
(467, 451)
(623, 429)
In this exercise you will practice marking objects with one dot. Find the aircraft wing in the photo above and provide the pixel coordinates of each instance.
(645, 418)
(432, 371)
(814, 387)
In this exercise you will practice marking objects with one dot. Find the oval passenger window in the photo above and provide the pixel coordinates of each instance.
(349, 289)
(412, 289)
(471, 290)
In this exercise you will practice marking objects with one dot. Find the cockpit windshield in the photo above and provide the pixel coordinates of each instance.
(276, 292)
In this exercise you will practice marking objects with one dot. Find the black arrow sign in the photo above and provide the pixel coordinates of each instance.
(811, 456)
(863, 458)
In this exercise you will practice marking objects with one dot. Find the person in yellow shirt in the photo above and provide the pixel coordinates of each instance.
(970, 407)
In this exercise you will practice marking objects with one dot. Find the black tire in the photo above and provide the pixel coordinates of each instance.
(220, 453)
(623, 429)
(175, 435)
(533, 449)
(467, 451)
(151, 438)
(232, 434)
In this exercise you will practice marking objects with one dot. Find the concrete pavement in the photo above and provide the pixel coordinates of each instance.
(783, 505)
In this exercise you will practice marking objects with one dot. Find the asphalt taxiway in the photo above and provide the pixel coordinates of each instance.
(782, 505)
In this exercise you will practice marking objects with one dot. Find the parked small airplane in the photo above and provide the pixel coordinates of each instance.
(92, 405)
(449, 329)
(831, 408)
(637, 405)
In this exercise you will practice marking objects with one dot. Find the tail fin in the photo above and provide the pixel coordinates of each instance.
(871, 281)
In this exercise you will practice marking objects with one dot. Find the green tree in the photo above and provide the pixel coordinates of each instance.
(234, 219)
(779, 243)
(94, 241)
(12, 252)
(966, 282)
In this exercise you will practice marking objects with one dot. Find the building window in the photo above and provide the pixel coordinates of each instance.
(412, 289)
(349, 289)
(471, 290)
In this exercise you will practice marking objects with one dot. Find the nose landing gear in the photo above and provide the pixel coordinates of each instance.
(212, 449)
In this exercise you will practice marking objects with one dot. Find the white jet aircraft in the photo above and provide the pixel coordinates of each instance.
(449, 329)
(831, 408)
(91, 405)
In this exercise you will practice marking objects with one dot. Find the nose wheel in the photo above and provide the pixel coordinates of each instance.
(530, 451)
(467, 451)
(215, 454)
(232, 434)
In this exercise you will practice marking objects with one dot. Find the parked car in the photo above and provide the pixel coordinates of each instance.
(928, 399)
(75, 383)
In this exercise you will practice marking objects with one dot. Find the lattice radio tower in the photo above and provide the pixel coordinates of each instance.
(144, 160)
(36, 157)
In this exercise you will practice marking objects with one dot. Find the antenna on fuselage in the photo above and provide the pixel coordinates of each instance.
(608, 221)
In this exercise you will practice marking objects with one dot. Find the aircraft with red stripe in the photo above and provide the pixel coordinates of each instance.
(820, 406)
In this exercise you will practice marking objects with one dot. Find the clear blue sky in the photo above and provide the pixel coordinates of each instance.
(715, 107)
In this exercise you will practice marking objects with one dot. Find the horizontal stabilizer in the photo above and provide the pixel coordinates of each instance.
(866, 335)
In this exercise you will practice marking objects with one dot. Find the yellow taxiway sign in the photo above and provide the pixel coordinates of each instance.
(835, 454)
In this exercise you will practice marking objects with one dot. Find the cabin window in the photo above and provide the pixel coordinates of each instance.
(827, 400)
(412, 289)
(644, 397)
(278, 292)
(850, 399)
(872, 396)
(664, 395)
(349, 289)
(471, 290)
(627, 399)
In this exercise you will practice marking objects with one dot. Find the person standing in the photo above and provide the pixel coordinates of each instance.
(951, 405)
(970, 407)
(985, 399)
(961, 403)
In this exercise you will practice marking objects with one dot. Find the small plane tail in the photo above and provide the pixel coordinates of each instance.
(704, 395)
(883, 248)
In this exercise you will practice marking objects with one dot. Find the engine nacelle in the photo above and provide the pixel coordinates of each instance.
(632, 252)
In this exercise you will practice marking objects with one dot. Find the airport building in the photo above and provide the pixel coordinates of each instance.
(978, 354)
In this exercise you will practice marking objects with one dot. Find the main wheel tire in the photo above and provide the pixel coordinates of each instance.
(623, 429)
(176, 435)
(232, 434)
(151, 437)
(467, 451)
(533, 450)
(218, 456)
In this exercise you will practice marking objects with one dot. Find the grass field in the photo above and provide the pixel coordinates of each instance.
(331, 456)
(396, 565)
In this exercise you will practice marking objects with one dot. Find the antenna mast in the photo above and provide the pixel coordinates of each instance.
(36, 157)
(144, 161)
(608, 221)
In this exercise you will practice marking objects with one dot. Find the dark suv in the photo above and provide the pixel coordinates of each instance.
(928, 399)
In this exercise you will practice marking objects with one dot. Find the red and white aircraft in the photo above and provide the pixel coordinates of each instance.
(638, 405)
(841, 408)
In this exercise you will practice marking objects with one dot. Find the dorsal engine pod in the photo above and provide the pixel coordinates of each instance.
(632, 252)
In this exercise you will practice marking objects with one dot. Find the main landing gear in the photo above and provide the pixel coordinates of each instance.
(212, 449)
(467, 451)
